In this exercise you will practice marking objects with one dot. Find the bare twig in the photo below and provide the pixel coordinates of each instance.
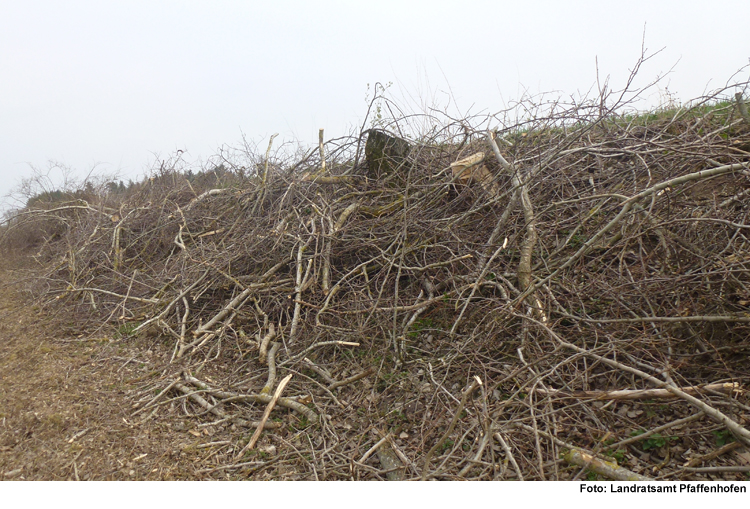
(631, 394)
(509, 454)
(474, 384)
(267, 339)
(606, 468)
(266, 415)
(731, 446)
(351, 379)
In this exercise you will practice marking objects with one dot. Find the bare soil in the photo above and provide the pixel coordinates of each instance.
(66, 405)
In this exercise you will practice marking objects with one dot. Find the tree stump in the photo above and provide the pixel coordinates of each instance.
(385, 154)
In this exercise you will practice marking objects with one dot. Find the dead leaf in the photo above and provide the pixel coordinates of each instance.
(743, 455)
(268, 449)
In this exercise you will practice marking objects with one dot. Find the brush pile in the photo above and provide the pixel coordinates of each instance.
(524, 303)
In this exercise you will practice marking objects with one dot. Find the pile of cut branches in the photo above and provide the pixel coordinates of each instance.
(564, 295)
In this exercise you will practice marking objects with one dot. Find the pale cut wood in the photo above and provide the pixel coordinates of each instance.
(322, 151)
(469, 170)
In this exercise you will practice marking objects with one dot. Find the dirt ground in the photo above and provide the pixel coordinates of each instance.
(66, 406)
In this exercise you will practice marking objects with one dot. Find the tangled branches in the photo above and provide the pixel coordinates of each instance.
(607, 254)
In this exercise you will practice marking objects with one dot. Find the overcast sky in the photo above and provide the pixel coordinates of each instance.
(114, 84)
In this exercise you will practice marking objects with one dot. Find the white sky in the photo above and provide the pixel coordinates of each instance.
(111, 83)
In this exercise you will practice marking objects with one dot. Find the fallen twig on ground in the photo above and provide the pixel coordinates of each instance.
(266, 415)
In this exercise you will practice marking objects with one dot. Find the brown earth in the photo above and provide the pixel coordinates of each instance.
(66, 406)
